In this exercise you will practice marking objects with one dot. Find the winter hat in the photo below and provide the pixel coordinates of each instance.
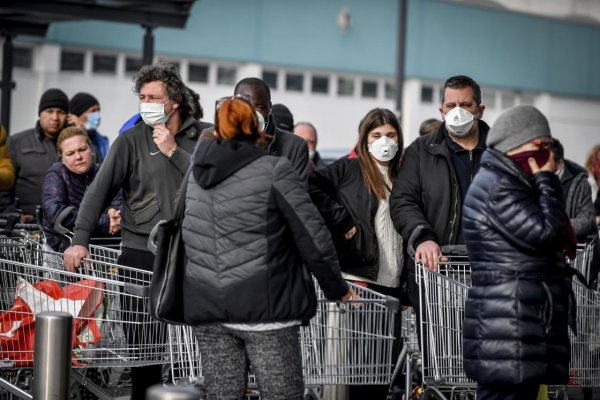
(516, 126)
(81, 102)
(283, 117)
(54, 98)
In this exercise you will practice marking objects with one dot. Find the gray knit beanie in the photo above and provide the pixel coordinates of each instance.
(516, 126)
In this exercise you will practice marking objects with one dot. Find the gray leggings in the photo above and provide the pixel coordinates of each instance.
(274, 356)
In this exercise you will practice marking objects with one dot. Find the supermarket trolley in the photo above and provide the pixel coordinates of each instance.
(344, 344)
(442, 294)
(106, 333)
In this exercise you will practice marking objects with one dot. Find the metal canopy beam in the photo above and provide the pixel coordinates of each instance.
(32, 17)
(168, 13)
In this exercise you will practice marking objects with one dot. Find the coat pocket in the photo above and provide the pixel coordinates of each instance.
(145, 210)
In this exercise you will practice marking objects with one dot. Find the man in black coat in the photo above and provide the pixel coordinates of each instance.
(281, 143)
(33, 151)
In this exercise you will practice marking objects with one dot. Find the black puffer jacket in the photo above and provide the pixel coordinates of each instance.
(340, 194)
(250, 232)
(516, 313)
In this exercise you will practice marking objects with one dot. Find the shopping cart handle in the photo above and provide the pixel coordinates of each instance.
(392, 303)
(454, 250)
(60, 218)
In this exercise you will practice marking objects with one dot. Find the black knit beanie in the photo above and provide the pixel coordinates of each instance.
(54, 98)
(81, 102)
(283, 117)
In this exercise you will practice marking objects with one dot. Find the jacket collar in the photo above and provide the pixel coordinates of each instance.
(494, 159)
(437, 145)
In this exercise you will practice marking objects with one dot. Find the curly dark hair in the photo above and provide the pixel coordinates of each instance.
(176, 90)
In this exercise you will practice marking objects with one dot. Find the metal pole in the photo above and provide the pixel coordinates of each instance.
(7, 82)
(160, 392)
(401, 56)
(52, 366)
(148, 46)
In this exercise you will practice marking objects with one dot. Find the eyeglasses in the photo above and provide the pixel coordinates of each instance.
(243, 97)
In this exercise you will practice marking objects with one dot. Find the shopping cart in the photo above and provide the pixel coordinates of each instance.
(108, 301)
(583, 261)
(344, 344)
(443, 294)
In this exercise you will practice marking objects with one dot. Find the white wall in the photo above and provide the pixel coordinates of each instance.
(574, 121)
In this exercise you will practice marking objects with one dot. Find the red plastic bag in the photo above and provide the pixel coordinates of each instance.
(17, 325)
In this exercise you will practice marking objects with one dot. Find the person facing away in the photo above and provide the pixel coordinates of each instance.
(33, 151)
(352, 195)
(147, 162)
(84, 112)
(308, 132)
(437, 169)
(7, 170)
(428, 126)
(65, 185)
(517, 233)
(252, 237)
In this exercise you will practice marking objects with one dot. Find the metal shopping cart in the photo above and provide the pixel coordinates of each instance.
(108, 302)
(443, 294)
(344, 344)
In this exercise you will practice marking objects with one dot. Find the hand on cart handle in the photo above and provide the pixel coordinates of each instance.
(430, 254)
(349, 296)
(73, 256)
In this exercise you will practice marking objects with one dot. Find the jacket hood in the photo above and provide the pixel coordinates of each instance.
(216, 160)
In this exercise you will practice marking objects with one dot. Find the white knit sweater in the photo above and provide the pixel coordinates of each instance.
(391, 259)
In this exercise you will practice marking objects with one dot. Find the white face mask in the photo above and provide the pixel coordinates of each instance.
(154, 113)
(311, 154)
(459, 121)
(93, 121)
(383, 149)
(261, 122)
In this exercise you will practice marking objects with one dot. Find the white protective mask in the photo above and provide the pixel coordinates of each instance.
(154, 113)
(261, 122)
(311, 154)
(383, 149)
(459, 121)
(93, 121)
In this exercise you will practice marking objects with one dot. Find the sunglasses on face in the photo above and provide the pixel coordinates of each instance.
(243, 97)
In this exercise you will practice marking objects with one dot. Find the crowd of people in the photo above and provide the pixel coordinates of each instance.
(263, 211)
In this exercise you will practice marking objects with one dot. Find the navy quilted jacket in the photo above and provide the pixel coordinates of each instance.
(517, 311)
(63, 188)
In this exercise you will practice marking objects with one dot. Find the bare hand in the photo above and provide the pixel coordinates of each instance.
(351, 295)
(348, 235)
(429, 253)
(115, 220)
(164, 140)
(73, 256)
(75, 121)
(549, 166)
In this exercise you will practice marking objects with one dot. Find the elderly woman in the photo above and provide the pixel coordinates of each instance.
(517, 233)
(65, 185)
(251, 235)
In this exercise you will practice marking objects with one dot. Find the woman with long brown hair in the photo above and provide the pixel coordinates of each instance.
(352, 196)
